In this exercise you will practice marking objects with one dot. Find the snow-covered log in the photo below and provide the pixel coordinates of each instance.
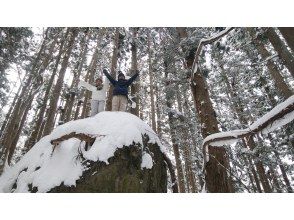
(277, 117)
(124, 155)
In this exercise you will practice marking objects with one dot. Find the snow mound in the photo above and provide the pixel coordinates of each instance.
(43, 169)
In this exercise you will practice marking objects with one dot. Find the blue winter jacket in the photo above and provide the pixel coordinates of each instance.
(121, 85)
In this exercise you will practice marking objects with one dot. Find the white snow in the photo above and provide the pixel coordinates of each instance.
(112, 130)
(147, 161)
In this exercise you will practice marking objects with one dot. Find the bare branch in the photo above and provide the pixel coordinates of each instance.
(80, 136)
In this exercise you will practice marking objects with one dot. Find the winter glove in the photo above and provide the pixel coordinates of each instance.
(105, 71)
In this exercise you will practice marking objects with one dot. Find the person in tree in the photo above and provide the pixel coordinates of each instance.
(120, 91)
(98, 94)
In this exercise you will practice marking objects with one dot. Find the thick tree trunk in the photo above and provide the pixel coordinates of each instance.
(57, 89)
(288, 33)
(273, 70)
(216, 175)
(280, 47)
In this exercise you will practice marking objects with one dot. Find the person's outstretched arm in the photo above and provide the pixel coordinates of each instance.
(86, 85)
(109, 77)
(131, 80)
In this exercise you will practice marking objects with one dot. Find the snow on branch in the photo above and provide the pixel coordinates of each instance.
(206, 41)
(280, 115)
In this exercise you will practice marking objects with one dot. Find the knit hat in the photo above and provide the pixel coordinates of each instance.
(120, 73)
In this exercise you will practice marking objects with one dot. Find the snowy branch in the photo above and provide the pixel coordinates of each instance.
(280, 115)
(204, 42)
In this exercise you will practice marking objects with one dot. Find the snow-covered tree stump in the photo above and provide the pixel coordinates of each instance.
(111, 152)
(124, 173)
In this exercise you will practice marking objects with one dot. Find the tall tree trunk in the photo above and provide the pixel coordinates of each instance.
(173, 133)
(158, 112)
(283, 171)
(216, 175)
(135, 87)
(57, 89)
(274, 178)
(113, 69)
(280, 47)
(184, 129)
(151, 86)
(260, 168)
(288, 33)
(273, 70)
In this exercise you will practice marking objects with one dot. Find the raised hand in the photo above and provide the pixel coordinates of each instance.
(105, 71)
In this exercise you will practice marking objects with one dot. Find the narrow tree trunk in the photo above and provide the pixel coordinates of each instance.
(135, 87)
(57, 89)
(151, 86)
(158, 112)
(184, 129)
(113, 69)
(173, 134)
(254, 173)
(274, 178)
(280, 47)
(283, 171)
